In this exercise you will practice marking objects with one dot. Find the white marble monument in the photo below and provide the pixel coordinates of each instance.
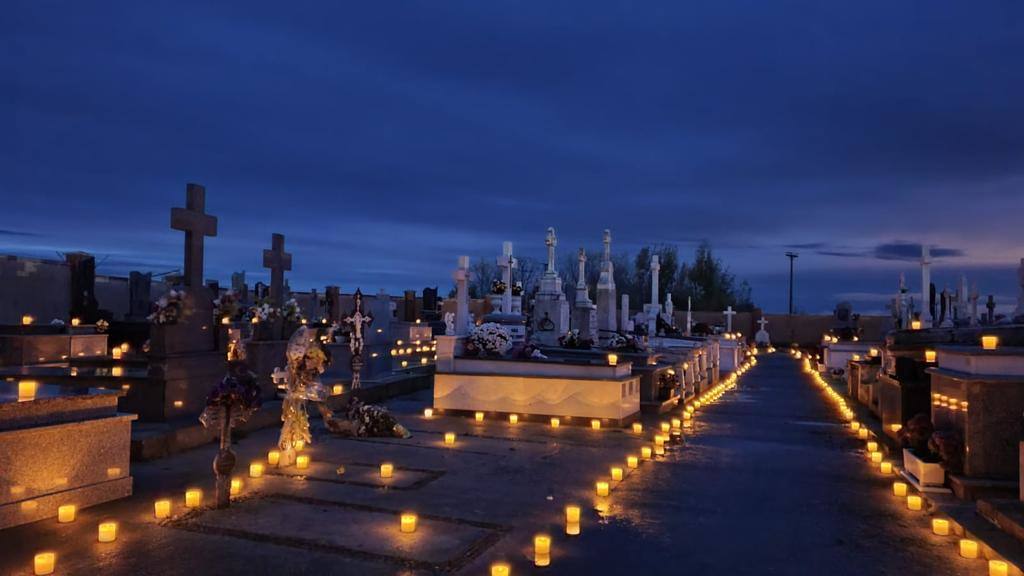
(551, 307)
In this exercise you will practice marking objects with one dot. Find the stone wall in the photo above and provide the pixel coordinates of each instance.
(33, 286)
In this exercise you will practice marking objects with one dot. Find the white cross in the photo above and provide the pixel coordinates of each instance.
(729, 313)
(762, 322)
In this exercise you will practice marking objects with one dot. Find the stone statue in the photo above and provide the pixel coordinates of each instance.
(551, 241)
(449, 323)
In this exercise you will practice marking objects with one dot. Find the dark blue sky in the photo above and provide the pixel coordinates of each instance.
(386, 138)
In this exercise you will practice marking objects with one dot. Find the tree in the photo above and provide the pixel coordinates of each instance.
(708, 282)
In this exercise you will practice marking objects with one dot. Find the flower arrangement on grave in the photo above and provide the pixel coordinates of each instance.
(228, 404)
(488, 339)
(948, 444)
(531, 352)
(169, 309)
(624, 343)
(667, 382)
(574, 340)
(291, 311)
(227, 306)
(498, 286)
(102, 325)
(915, 436)
(517, 289)
(368, 420)
(263, 312)
(57, 323)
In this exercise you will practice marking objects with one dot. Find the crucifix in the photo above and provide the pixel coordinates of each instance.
(196, 224)
(729, 313)
(357, 320)
(507, 262)
(278, 261)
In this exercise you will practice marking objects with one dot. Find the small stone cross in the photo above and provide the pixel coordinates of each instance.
(278, 261)
(196, 224)
(729, 313)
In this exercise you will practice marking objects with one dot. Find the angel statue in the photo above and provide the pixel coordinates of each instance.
(306, 362)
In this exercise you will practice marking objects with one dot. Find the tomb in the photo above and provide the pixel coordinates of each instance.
(60, 445)
(550, 318)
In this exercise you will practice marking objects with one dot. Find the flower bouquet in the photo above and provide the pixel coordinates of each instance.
(573, 340)
(488, 339)
(169, 309)
(498, 287)
(226, 306)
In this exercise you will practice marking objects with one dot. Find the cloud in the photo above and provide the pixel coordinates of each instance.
(911, 251)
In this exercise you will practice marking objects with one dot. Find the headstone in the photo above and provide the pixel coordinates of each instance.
(278, 261)
(196, 224)
(551, 307)
(627, 324)
(461, 277)
(139, 295)
(430, 303)
(240, 288)
(83, 287)
(974, 304)
(653, 309)
(762, 338)
(409, 306)
(333, 305)
(729, 313)
(990, 307)
(584, 312)
(607, 323)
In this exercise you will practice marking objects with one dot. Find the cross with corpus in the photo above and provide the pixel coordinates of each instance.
(196, 224)
(359, 321)
(278, 261)
(729, 313)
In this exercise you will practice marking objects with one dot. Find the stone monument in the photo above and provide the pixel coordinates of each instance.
(762, 338)
(653, 309)
(606, 298)
(584, 312)
(551, 307)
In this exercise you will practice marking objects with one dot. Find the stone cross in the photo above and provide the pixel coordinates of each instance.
(655, 270)
(729, 313)
(607, 246)
(762, 322)
(551, 241)
(461, 277)
(196, 224)
(278, 261)
(507, 263)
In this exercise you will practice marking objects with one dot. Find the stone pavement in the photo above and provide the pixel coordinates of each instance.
(767, 484)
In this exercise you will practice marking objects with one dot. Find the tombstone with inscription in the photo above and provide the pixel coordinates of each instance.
(84, 305)
(584, 312)
(550, 318)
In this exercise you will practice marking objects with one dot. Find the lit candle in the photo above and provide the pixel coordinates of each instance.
(687, 416)
(26, 320)
(273, 457)
(899, 489)
(862, 433)
(179, 404)
(638, 428)
(990, 342)
(337, 389)
(299, 445)
(27, 390)
(256, 469)
(896, 427)
(572, 520)
(501, 569)
(915, 324)
(193, 497)
(117, 371)
(555, 422)
(632, 462)
(162, 508)
(616, 474)
(968, 548)
(602, 488)
(541, 550)
(645, 452)
(449, 438)
(44, 563)
(940, 526)
(66, 513)
(929, 356)
(408, 522)
(387, 469)
(665, 427)
(613, 359)
(854, 425)
(885, 467)
(76, 321)
(872, 446)
(914, 502)
(107, 532)
(513, 418)
(659, 449)
(595, 424)
(998, 568)
(479, 416)
(876, 457)
(302, 461)
(428, 412)
(677, 423)
(116, 353)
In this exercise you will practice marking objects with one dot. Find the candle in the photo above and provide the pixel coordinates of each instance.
(914, 502)
(162, 508)
(179, 404)
(601, 488)
(990, 342)
(26, 320)
(107, 532)
(302, 461)
(899, 489)
(273, 457)
(968, 548)
(299, 445)
(479, 416)
(337, 389)
(885, 467)
(613, 359)
(876, 457)
(572, 520)
(896, 427)
(677, 423)
(27, 390)
(929, 356)
(998, 568)
(542, 550)
(428, 412)
(408, 522)
(256, 469)
(193, 497)
(449, 438)
(645, 452)
(687, 416)
(632, 462)
(638, 428)
(66, 513)
(387, 469)
(595, 424)
(940, 526)
(854, 425)
(555, 422)
(616, 474)
(915, 324)
(76, 321)
(665, 427)
(117, 371)
(115, 353)
(44, 563)
(501, 569)
(513, 418)
(862, 433)
(873, 352)
(872, 446)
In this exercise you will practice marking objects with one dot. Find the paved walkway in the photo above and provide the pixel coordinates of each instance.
(768, 484)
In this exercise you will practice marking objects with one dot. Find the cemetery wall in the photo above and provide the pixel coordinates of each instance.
(33, 286)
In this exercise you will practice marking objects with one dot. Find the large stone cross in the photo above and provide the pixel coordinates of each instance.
(762, 322)
(729, 313)
(196, 224)
(278, 261)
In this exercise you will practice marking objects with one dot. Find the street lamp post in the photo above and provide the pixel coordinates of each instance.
(792, 256)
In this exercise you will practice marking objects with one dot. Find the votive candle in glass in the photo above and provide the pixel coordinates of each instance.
(595, 424)
(572, 520)
(632, 462)
(479, 416)
(255, 470)
(302, 461)
(408, 522)
(273, 457)
(998, 568)
(555, 422)
(541, 550)
(885, 467)
(601, 487)
(387, 469)
(106, 532)
(968, 548)
(162, 509)
(193, 498)
(66, 513)
(236, 486)
(989, 342)
(645, 452)
(914, 502)
(940, 526)
(616, 473)
(638, 428)
(899, 489)
(449, 438)
(44, 563)
(513, 418)
(428, 412)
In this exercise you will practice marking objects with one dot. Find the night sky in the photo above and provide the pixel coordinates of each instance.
(386, 138)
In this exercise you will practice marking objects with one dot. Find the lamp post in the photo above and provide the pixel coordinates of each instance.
(792, 256)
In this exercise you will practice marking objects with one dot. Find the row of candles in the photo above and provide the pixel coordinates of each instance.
(967, 547)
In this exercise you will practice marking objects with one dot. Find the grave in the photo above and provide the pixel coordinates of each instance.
(60, 445)
(507, 306)
(584, 312)
(550, 318)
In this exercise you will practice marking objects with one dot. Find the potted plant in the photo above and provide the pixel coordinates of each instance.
(918, 459)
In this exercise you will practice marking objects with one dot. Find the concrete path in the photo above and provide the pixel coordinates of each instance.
(768, 483)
